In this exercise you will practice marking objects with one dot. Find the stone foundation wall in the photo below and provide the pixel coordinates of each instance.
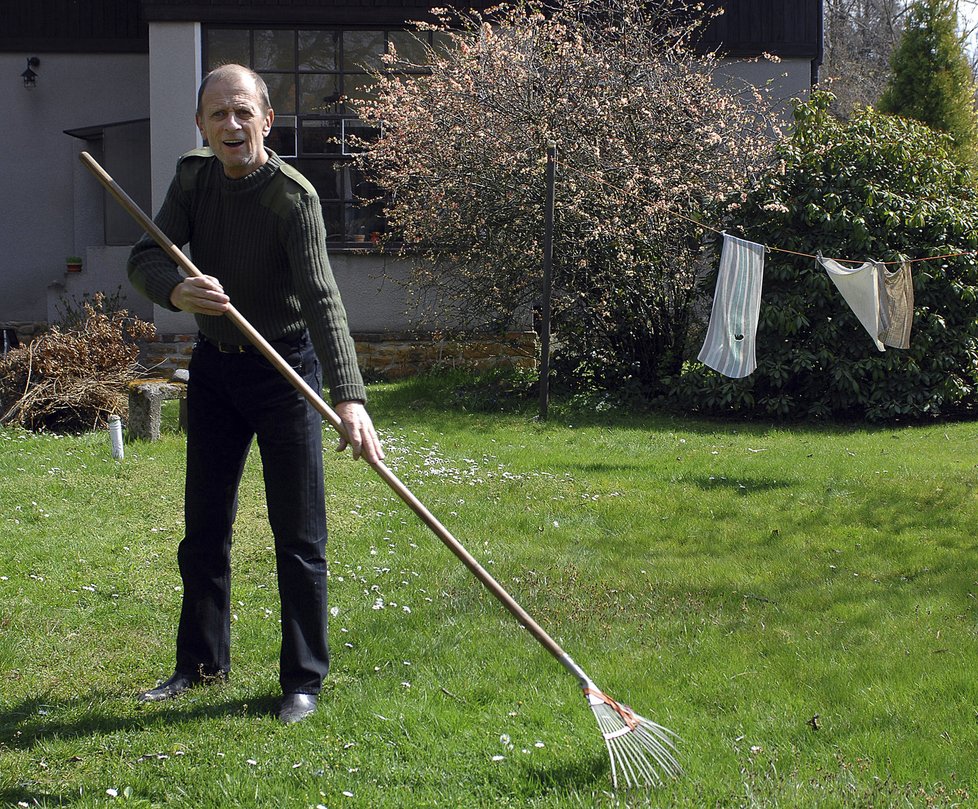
(166, 354)
(393, 356)
(25, 330)
(384, 356)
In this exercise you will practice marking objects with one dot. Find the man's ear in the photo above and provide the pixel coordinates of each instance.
(268, 122)
(200, 129)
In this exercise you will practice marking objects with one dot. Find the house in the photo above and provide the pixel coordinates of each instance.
(117, 78)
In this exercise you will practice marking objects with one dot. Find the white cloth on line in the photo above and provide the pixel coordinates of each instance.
(729, 345)
(860, 288)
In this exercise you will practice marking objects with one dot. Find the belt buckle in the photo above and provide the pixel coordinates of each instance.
(231, 348)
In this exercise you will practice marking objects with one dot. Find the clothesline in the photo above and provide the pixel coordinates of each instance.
(881, 300)
(769, 248)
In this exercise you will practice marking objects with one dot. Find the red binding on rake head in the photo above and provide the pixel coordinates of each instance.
(641, 751)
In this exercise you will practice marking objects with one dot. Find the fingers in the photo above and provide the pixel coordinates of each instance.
(360, 436)
(200, 295)
(363, 443)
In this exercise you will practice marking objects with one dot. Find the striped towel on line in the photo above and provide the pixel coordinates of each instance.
(730, 337)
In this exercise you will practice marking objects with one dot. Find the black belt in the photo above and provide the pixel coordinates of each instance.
(281, 346)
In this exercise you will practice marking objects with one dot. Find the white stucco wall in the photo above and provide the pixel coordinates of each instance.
(174, 72)
(782, 81)
(42, 188)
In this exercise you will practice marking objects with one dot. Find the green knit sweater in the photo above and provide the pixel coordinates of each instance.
(263, 237)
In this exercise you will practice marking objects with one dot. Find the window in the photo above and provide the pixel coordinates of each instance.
(310, 75)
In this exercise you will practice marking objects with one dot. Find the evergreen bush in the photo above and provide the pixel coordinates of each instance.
(931, 78)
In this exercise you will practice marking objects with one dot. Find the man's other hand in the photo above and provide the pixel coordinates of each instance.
(361, 436)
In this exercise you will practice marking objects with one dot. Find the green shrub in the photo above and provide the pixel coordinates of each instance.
(875, 186)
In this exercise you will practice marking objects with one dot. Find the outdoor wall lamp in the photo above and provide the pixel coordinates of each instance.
(29, 76)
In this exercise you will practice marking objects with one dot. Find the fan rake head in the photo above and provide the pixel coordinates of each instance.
(641, 751)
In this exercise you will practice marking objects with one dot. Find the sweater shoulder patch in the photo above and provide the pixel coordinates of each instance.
(295, 176)
(190, 164)
(287, 190)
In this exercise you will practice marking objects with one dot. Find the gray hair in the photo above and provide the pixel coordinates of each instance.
(225, 71)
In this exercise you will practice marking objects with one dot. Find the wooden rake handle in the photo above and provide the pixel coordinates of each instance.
(329, 414)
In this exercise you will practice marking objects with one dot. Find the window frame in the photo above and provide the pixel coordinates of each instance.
(350, 223)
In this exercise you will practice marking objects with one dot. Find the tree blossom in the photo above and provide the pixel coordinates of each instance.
(648, 142)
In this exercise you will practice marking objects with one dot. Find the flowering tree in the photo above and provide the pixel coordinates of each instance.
(647, 143)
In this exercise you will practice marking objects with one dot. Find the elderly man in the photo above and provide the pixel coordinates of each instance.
(255, 228)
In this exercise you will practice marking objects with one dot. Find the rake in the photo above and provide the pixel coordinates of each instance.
(641, 751)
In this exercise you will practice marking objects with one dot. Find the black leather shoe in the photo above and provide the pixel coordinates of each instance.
(177, 684)
(296, 707)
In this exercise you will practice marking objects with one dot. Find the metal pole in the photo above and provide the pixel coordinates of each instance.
(548, 254)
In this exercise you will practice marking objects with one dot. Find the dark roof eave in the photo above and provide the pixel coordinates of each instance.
(41, 44)
(312, 14)
(787, 51)
(96, 131)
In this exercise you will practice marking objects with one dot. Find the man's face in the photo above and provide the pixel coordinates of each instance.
(234, 125)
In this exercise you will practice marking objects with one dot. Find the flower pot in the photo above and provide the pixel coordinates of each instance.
(73, 266)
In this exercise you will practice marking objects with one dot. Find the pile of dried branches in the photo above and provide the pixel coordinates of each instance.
(72, 378)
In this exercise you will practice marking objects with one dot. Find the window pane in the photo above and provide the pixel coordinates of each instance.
(410, 46)
(359, 86)
(333, 218)
(322, 137)
(319, 94)
(354, 129)
(227, 46)
(281, 139)
(318, 50)
(331, 184)
(281, 92)
(362, 49)
(441, 42)
(274, 50)
(367, 219)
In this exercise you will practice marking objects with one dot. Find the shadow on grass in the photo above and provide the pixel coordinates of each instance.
(442, 394)
(22, 796)
(33, 720)
(741, 484)
(579, 776)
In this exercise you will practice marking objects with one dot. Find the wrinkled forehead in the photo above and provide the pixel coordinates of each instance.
(233, 91)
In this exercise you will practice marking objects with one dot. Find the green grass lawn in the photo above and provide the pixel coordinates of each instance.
(797, 603)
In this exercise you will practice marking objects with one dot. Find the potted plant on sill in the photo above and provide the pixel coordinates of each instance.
(73, 263)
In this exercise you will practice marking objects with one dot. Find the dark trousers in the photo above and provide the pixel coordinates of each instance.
(231, 398)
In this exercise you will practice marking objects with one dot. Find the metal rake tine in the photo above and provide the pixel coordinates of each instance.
(603, 727)
(666, 763)
(633, 749)
(637, 747)
(658, 744)
(640, 766)
(627, 764)
(608, 725)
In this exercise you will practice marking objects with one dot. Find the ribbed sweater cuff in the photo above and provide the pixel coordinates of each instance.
(159, 285)
(346, 393)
